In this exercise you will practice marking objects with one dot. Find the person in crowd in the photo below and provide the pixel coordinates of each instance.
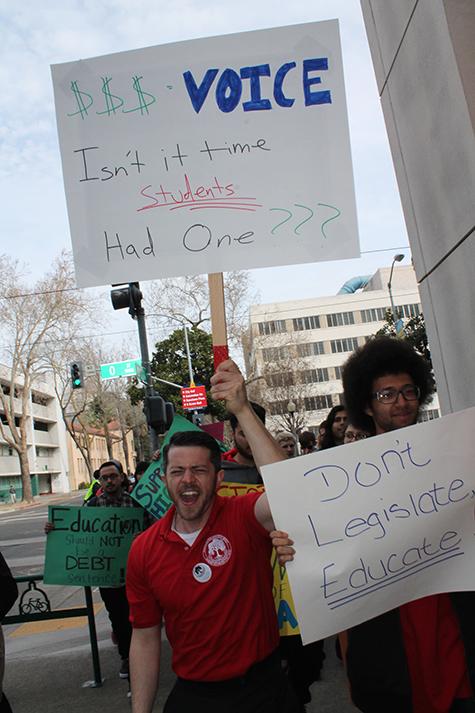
(308, 442)
(12, 492)
(420, 657)
(140, 469)
(353, 433)
(8, 595)
(204, 570)
(114, 493)
(335, 425)
(322, 429)
(238, 463)
(288, 442)
(93, 488)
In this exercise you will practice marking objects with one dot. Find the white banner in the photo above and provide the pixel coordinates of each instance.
(207, 156)
(378, 523)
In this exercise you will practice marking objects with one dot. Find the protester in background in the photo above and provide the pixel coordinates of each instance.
(308, 442)
(288, 442)
(238, 463)
(334, 428)
(8, 594)
(140, 469)
(93, 488)
(322, 429)
(353, 433)
(114, 493)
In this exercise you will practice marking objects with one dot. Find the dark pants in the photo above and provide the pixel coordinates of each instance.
(117, 606)
(263, 689)
(303, 664)
(4, 704)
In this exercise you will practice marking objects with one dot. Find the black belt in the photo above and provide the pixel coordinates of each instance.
(268, 664)
(463, 705)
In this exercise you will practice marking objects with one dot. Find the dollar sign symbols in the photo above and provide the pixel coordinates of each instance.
(111, 106)
(78, 94)
(143, 103)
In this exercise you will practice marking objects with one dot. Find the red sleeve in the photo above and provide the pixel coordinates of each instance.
(246, 504)
(144, 609)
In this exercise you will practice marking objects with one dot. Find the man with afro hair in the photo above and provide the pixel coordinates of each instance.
(420, 657)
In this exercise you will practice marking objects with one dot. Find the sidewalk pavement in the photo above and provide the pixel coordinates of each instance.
(53, 683)
(40, 501)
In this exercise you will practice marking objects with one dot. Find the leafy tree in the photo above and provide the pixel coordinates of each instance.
(413, 331)
(169, 362)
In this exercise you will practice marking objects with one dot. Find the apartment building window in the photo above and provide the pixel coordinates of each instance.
(344, 345)
(284, 378)
(5, 450)
(39, 399)
(302, 323)
(5, 421)
(428, 414)
(314, 376)
(278, 408)
(275, 353)
(316, 403)
(275, 327)
(43, 452)
(340, 319)
(409, 311)
(40, 426)
(310, 349)
(338, 372)
(377, 314)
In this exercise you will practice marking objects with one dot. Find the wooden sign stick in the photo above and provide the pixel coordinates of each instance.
(218, 318)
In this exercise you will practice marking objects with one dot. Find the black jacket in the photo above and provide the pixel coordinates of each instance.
(376, 660)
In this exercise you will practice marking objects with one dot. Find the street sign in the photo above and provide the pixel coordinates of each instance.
(194, 397)
(120, 368)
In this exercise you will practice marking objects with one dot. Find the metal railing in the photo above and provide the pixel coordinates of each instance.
(34, 605)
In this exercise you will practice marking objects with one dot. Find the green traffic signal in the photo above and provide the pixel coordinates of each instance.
(76, 375)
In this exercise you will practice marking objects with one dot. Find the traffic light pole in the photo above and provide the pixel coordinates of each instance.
(149, 390)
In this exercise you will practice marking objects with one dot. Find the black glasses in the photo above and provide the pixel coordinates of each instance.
(410, 392)
(352, 436)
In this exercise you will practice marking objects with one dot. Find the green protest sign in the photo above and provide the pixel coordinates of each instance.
(89, 546)
(150, 492)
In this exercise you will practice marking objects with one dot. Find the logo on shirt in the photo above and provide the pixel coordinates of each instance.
(217, 550)
(201, 572)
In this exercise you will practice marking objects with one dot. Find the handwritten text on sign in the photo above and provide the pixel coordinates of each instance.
(209, 155)
(89, 546)
(378, 523)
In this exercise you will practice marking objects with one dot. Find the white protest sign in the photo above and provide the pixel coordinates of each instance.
(378, 523)
(208, 155)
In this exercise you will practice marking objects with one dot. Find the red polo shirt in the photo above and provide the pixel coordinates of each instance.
(215, 597)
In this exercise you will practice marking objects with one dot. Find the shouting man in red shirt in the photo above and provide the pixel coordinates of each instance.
(204, 570)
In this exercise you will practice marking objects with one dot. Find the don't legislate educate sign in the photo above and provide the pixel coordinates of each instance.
(378, 523)
(208, 155)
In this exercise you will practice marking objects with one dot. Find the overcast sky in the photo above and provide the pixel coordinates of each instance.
(34, 35)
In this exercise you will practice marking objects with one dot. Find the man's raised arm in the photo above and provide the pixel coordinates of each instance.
(228, 384)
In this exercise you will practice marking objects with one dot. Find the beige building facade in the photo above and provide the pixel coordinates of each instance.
(46, 439)
(78, 472)
(295, 350)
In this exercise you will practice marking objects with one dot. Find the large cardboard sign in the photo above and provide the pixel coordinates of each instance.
(378, 523)
(89, 546)
(206, 156)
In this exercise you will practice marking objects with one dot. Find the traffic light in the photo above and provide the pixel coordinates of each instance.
(158, 412)
(77, 377)
(130, 297)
